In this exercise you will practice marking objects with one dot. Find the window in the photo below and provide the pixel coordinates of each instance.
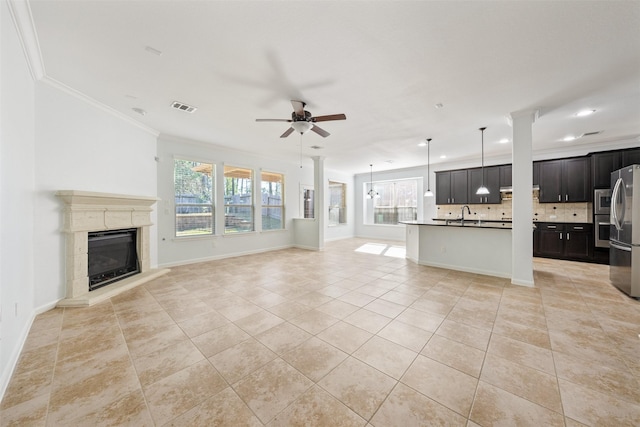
(238, 200)
(337, 203)
(272, 190)
(397, 201)
(193, 192)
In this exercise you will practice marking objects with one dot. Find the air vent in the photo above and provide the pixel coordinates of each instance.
(184, 107)
(591, 133)
(316, 147)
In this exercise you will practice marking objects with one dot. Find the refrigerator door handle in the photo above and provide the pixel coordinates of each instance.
(622, 248)
(614, 212)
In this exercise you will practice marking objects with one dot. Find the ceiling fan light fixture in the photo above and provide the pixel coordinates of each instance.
(302, 126)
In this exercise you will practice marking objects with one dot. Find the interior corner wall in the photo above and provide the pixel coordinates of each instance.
(82, 146)
(17, 145)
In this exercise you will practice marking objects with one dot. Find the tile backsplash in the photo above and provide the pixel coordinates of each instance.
(542, 212)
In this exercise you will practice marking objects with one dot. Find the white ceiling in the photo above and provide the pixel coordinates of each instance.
(385, 64)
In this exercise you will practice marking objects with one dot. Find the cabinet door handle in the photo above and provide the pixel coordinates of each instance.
(567, 236)
(449, 200)
(559, 197)
(552, 226)
(566, 197)
(578, 228)
(560, 236)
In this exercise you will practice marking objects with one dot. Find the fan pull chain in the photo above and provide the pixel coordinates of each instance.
(300, 151)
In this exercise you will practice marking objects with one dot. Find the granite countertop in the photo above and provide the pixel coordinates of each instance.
(457, 223)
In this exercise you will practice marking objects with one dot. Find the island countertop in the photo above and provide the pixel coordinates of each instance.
(459, 223)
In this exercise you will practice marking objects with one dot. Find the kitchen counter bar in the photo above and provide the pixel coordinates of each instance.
(483, 248)
(460, 223)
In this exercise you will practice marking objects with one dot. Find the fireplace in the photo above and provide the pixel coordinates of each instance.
(108, 245)
(112, 256)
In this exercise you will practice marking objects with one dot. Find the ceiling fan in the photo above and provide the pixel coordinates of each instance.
(302, 121)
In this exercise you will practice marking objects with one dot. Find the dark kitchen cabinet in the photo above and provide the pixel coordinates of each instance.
(602, 164)
(565, 180)
(630, 157)
(536, 173)
(451, 187)
(491, 181)
(563, 241)
(506, 177)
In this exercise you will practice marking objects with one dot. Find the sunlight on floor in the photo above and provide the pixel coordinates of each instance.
(382, 249)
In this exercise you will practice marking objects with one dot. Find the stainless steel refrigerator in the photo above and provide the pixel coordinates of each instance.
(624, 252)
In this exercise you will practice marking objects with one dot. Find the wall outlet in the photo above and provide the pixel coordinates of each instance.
(443, 249)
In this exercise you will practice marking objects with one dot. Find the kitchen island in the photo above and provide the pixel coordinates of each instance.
(482, 247)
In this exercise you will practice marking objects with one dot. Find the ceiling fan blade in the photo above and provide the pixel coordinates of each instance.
(329, 117)
(298, 107)
(323, 133)
(274, 120)
(287, 133)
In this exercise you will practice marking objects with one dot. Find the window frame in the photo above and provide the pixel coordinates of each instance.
(205, 164)
(268, 206)
(229, 231)
(369, 205)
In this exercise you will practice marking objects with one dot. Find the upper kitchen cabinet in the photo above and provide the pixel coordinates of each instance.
(491, 181)
(630, 157)
(451, 187)
(565, 180)
(506, 177)
(602, 164)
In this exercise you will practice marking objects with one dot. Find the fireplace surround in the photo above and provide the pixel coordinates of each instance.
(87, 212)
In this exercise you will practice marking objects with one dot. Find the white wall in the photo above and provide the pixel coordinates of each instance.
(176, 251)
(17, 246)
(81, 146)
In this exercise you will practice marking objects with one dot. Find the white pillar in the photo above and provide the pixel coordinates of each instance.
(318, 185)
(522, 179)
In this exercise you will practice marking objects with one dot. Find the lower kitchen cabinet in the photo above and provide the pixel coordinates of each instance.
(563, 241)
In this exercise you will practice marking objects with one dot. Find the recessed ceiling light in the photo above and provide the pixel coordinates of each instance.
(388, 161)
(422, 144)
(443, 156)
(504, 141)
(139, 111)
(438, 105)
(584, 113)
(569, 138)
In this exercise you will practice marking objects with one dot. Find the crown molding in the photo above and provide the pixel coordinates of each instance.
(97, 104)
(23, 20)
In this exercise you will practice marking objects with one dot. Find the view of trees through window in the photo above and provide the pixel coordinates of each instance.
(193, 192)
(238, 200)
(397, 201)
(272, 190)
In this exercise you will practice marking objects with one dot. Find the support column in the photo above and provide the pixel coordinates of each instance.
(318, 186)
(522, 179)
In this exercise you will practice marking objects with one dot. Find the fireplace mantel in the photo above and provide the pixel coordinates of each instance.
(86, 211)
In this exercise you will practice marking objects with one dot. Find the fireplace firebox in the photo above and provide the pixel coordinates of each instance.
(112, 256)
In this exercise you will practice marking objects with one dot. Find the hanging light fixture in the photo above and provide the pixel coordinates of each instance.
(372, 193)
(428, 193)
(482, 190)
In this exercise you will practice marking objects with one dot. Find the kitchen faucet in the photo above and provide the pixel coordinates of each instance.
(462, 210)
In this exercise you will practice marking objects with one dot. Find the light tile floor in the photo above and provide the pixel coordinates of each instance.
(337, 338)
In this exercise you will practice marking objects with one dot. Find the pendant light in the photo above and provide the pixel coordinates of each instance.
(482, 190)
(372, 194)
(428, 193)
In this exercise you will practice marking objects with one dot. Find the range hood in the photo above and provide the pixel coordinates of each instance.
(509, 189)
